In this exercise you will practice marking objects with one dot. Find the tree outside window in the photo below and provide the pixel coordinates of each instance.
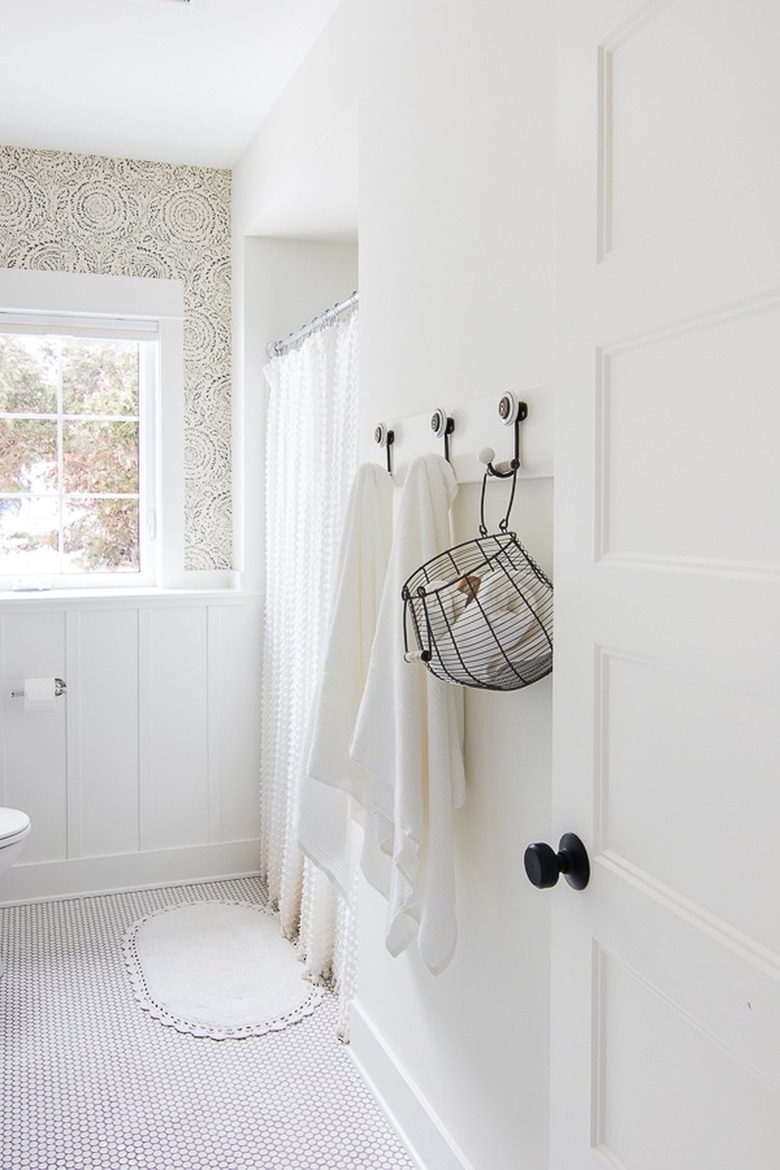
(69, 455)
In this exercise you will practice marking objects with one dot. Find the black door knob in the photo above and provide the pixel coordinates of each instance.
(544, 866)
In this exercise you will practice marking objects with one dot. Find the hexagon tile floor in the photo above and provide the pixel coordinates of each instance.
(90, 1082)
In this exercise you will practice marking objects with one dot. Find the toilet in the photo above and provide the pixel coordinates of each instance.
(14, 827)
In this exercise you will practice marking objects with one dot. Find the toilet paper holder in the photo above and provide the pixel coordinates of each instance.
(60, 688)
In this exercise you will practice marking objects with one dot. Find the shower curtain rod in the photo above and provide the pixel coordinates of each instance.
(276, 348)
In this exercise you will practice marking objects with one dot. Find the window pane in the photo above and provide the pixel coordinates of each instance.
(101, 536)
(28, 455)
(99, 456)
(72, 481)
(28, 536)
(28, 374)
(99, 377)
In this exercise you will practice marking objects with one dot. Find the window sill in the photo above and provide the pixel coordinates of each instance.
(120, 598)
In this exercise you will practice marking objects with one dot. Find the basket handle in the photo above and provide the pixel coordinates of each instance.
(421, 655)
(502, 524)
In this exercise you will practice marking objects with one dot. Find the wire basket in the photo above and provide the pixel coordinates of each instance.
(481, 613)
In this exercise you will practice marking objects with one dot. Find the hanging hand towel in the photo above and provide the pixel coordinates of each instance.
(322, 807)
(409, 734)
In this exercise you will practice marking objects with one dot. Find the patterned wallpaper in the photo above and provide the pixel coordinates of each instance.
(86, 213)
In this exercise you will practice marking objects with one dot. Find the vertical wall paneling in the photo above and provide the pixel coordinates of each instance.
(215, 683)
(148, 769)
(6, 699)
(145, 705)
(73, 762)
(175, 806)
(107, 697)
(237, 707)
(35, 743)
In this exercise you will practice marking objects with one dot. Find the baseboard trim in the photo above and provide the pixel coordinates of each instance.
(36, 881)
(429, 1144)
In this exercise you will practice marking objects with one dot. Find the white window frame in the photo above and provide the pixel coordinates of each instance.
(133, 299)
(145, 335)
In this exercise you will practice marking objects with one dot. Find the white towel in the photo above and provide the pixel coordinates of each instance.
(322, 804)
(409, 734)
(498, 624)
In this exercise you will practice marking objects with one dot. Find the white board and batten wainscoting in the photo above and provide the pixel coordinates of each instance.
(146, 771)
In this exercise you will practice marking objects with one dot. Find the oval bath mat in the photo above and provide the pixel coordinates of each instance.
(217, 969)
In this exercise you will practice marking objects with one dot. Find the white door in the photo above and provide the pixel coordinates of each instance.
(666, 985)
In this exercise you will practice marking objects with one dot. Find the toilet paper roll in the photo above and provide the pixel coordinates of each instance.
(39, 694)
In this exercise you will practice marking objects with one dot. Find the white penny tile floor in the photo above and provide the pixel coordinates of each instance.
(91, 1082)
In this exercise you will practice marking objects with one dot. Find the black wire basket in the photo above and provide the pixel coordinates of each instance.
(481, 613)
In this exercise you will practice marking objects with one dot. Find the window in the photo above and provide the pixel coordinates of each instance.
(77, 458)
(145, 310)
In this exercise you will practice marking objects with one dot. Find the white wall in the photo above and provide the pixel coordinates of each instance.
(285, 283)
(456, 269)
(281, 283)
(316, 99)
(456, 139)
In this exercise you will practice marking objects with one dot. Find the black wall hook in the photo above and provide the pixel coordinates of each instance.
(385, 438)
(443, 426)
(513, 413)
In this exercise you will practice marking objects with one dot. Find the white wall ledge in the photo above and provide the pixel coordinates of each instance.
(14, 600)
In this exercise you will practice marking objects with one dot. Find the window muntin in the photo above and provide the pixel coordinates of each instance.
(76, 452)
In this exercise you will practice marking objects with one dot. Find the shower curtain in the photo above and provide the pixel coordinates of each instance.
(311, 460)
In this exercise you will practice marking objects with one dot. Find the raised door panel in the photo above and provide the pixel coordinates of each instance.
(685, 791)
(667, 1089)
(688, 419)
(678, 78)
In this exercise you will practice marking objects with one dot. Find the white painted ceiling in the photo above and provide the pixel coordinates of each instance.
(185, 81)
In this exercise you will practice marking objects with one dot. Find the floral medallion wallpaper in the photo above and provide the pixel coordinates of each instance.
(86, 213)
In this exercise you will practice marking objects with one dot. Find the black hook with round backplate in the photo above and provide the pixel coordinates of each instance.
(512, 414)
(544, 866)
(384, 437)
(442, 426)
